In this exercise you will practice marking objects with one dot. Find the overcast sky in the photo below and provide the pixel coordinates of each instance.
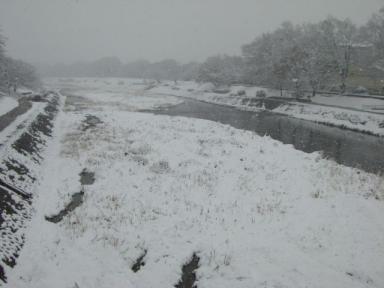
(50, 31)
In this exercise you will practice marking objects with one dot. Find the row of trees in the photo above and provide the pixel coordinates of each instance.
(14, 73)
(308, 56)
(112, 67)
(220, 70)
(311, 56)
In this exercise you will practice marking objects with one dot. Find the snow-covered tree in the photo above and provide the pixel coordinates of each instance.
(374, 30)
(3, 65)
(14, 72)
(339, 37)
(276, 58)
(221, 70)
(321, 67)
(22, 73)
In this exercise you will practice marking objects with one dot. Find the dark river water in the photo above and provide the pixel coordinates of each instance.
(346, 147)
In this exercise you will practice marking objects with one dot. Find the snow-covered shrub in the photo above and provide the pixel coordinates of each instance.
(361, 90)
(241, 92)
(221, 90)
(160, 167)
(261, 94)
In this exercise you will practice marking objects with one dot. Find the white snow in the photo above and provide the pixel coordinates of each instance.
(258, 213)
(7, 104)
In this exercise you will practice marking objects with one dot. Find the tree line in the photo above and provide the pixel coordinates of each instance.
(15, 73)
(167, 69)
(310, 56)
(332, 55)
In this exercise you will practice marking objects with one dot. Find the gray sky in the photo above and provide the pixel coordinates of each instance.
(50, 31)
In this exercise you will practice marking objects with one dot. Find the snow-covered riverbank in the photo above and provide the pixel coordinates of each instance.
(258, 213)
(354, 120)
(341, 111)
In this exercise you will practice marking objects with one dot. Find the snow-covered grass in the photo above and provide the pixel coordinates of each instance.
(258, 213)
(118, 93)
(7, 104)
(204, 92)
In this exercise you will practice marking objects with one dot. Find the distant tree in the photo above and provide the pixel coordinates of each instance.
(15, 72)
(167, 69)
(137, 69)
(3, 67)
(107, 67)
(189, 71)
(276, 58)
(309, 55)
(320, 65)
(221, 70)
(339, 37)
(258, 60)
(22, 73)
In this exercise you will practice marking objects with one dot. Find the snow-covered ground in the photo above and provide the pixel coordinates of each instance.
(258, 213)
(7, 104)
(21, 154)
(119, 93)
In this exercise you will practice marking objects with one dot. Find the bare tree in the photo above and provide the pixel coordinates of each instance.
(320, 67)
(374, 30)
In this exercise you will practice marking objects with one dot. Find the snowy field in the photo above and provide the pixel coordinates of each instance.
(7, 104)
(113, 93)
(256, 212)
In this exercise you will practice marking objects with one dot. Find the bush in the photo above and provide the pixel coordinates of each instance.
(261, 94)
(241, 93)
(221, 90)
(360, 90)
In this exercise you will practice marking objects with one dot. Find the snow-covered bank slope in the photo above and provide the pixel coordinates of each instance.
(7, 104)
(21, 155)
(258, 213)
(354, 120)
